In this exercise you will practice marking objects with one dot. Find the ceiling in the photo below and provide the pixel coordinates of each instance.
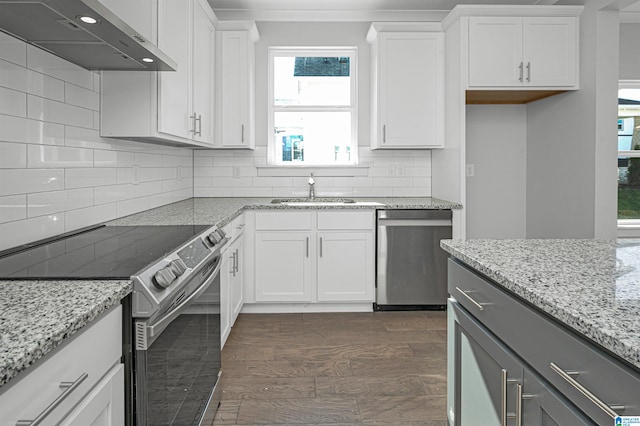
(348, 10)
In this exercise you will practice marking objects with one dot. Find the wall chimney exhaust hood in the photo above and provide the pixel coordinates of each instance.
(60, 27)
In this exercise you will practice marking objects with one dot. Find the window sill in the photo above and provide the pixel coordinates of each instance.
(332, 171)
(629, 228)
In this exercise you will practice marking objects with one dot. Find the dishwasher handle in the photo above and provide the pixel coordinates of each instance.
(414, 222)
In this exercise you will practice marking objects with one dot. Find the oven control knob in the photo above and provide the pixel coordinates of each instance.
(178, 267)
(222, 234)
(164, 277)
(213, 238)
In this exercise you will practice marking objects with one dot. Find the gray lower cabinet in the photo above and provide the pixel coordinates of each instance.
(510, 364)
(492, 385)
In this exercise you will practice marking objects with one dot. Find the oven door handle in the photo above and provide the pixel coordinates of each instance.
(152, 330)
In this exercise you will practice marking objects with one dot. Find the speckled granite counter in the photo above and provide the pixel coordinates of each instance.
(592, 286)
(37, 316)
(220, 211)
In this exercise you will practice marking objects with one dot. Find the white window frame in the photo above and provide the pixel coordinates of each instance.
(628, 227)
(347, 51)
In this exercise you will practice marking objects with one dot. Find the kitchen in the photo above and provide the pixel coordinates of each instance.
(59, 174)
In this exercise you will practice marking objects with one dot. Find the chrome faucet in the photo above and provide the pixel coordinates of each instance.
(312, 188)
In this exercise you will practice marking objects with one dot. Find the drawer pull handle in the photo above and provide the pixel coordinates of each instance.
(503, 394)
(68, 387)
(609, 409)
(478, 305)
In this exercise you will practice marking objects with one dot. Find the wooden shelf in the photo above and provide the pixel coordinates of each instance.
(497, 97)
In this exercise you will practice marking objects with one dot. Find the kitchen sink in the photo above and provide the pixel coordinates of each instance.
(322, 202)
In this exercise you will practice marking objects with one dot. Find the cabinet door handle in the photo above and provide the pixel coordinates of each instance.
(528, 72)
(607, 408)
(518, 404)
(193, 124)
(199, 121)
(68, 387)
(384, 133)
(307, 246)
(520, 67)
(503, 397)
(320, 246)
(478, 305)
(237, 261)
(242, 133)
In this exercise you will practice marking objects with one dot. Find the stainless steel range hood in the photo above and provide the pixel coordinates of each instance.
(55, 26)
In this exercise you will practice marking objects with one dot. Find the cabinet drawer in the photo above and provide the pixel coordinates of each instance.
(93, 351)
(345, 220)
(283, 220)
(549, 347)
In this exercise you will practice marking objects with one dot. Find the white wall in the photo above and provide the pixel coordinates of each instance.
(56, 173)
(571, 143)
(629, 51)
(389, 173)
(496, 146)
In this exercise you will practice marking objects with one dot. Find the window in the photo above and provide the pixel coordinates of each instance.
(629, 155)
(312, 106)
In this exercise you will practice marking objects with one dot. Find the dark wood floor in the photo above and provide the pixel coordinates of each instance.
(382, 368)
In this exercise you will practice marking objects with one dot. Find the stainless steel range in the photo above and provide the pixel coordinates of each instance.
(171, 346)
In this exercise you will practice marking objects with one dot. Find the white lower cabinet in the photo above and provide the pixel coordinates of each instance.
(80, 382)
(345, 266)
(231, 278)
(104, 405)
(314, 257)
(283, 266)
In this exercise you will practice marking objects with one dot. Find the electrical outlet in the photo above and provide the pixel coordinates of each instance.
(400, 170)
(237, 172)
(391, 170)
(470, 170)
(178, 173)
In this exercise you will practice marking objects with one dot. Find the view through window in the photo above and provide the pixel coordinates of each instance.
(629, 154)
(312, 107)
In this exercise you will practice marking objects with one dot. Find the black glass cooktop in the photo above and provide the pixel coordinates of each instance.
(106, 252)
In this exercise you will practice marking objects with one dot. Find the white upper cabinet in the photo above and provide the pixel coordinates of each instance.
(407, 89)
(175, 107)
(236, 84)
(536, 52)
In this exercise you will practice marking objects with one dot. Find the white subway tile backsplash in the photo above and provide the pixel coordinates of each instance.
(89, 177)
(102, 158)
(88, 138)
(29, 230)
(204, 181)
(79, 96)
(13, 76)
(13, 50)
(112, 193)
(81, 218)
(13, 155)
(202, 161)
(44, 156)
(42, 85)
(13, 102)
(213, 192)
(13, 207)
(56, 172)
(24, 181)
(58, 112)
(253, 192)
(45, 203)
(46, 63)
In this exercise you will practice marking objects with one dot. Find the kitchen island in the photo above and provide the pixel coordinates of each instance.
(553, 307)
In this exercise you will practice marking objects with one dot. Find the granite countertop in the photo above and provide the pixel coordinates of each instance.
(592, 286)
(37, 316)
(220, 211)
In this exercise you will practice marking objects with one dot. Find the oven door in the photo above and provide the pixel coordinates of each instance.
(177, 357)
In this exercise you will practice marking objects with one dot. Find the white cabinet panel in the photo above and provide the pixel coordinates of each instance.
(536, 52)
(345, 266)
(236, 85)
(408, 89)
(283, 267)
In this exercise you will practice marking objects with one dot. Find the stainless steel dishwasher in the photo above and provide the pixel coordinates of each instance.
(411, 266)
